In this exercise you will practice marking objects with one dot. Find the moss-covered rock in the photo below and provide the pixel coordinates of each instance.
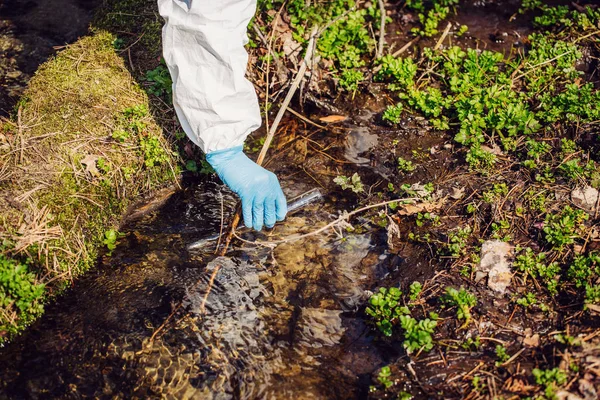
(81, 147)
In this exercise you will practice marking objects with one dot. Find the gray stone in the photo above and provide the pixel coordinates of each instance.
(585, 198)
(494, 265)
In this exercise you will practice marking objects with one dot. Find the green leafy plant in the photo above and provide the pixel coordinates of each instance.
(405, 165)
(584, 268)
(384, 377)
(120, 135)
(103, 165)
(392, 113)
(462, 300)
(551, 379)
(154, 153)
(564, 228)
(160, 82)
(533, 264)
(472, 343)
(387, 312)
(385, 309)
(417, 334)
(415, 291)
(350, 78)
(401, 71)
(498, 191)
(501, 355)
(592, 295)
(353, 183)
(21, 297)
(110, 240)
(427, 217)
(457, 241)
(528, 300)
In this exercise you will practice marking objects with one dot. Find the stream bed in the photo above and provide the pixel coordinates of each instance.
(282, 323)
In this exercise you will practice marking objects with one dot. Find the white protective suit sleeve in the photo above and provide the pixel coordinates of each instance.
(203, 47)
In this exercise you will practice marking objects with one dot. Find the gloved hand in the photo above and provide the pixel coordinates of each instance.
(262, 198)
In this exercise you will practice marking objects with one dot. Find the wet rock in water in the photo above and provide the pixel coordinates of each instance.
(320, 327)
(359, 141)
(494, 265)
(585, 198)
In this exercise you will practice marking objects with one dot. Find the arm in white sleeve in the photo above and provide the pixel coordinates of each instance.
(203, 46)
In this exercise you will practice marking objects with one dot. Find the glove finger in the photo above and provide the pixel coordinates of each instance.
(247, 212)
(258, 212)
(270, 212)
(280, 206)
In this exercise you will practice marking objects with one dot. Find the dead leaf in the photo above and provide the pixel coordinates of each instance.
(333, 118)
(587, 389)
(593, 307)
(495, 149)
(532, 341)
(457, 193)
(565, 395)
(90, 165)
(411, 209)
(392, 231)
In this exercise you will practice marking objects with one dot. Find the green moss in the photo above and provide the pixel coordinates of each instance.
(74, 178)
(134, 16)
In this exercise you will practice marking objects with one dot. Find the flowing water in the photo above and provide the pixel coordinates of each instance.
(278, 323)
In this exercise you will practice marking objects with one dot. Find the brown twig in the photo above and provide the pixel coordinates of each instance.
(342, 218)
(443, 37)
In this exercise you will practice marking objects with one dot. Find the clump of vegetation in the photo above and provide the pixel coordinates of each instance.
(564, 228)
(385, 309)
(110, 240)
(551, 379)
(353, 183)
(387, 312)
(463, 301)
(405, 165)
(21, 295)
(160, 83)
(501, 355)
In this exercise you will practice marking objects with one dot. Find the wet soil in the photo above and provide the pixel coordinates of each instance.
(30, 32)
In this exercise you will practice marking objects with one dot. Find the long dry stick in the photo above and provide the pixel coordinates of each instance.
(443, 37)
(381, 29)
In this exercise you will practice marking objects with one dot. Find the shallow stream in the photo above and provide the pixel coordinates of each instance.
(282, 323)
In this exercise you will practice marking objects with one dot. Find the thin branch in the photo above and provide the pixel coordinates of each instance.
(381, 29)
(342, 218)
(443, 37)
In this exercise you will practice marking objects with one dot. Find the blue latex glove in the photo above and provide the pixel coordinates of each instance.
(263, 201)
